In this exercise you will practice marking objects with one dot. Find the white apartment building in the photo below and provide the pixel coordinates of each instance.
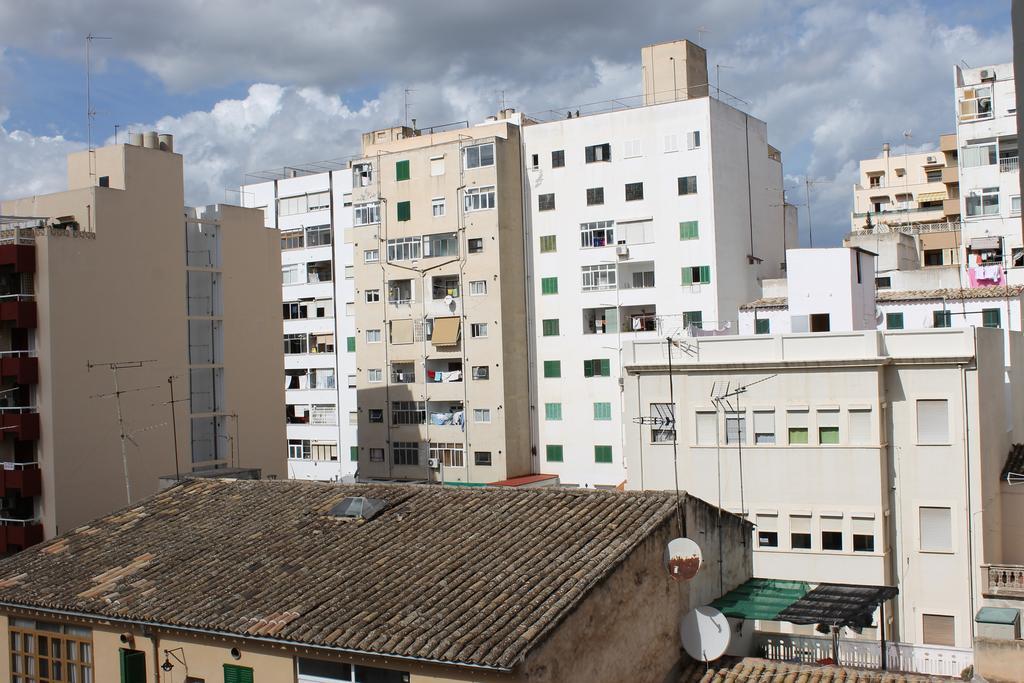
(989, 174)
(644, 222)
(312, 210)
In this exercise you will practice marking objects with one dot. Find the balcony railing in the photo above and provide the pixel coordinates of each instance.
(912, 228)
(1008, 164)
(21, 421)
(19, 309)
(20, 366)
(19, 532)
(25, 478)
(1004, 580)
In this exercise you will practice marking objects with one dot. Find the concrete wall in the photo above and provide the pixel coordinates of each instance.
(998, 661)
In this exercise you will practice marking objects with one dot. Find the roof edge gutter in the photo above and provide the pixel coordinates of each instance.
(261, 639)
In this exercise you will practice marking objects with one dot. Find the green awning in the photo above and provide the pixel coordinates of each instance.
(997, 615)
(761, 598)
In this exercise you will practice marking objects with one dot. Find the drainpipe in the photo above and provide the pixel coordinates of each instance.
(154, 638)
(967, 482)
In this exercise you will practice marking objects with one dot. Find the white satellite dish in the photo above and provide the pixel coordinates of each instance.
(682, 559)
(449, 300)
(705, 633)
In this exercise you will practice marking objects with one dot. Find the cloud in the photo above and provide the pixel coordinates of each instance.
(30, 164)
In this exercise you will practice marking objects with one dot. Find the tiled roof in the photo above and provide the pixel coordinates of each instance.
(891, 296)
(475, 577)
(753, 670)
(1014, 461)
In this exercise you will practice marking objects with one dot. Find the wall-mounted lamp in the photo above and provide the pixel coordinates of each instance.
(168, 665)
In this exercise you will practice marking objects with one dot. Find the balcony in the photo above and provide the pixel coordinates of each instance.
(19, 367)
(1008, 165)
(950, 174)
(947, 142)
(1003, 581)
(23, 478)
(22, 422)
(21, 256)
(20, 533)
(16, 309)
(951, 207)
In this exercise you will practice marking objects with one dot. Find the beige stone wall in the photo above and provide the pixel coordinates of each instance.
(999, 661)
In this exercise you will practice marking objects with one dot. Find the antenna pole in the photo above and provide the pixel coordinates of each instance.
(90, 113)
(675, 435)
(810, 225)
(124, 436)
(174, 430)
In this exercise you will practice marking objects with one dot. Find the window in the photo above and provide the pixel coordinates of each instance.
(299, 449)
(399, 292)
(828, 427)
(371, 256)
(602, 454)
(693, 140)
(437, 207)
(696, 275)
(373, 336)
(831, 533)
(292, 239)
(441, 244)
(374, 375)
(296, 343)
(351, 381)
(631, 149)
(601, 276)
(376, 455)
(350, 344)
(688, 230)
(402, 170)
(941, 319)
(932, 422)
(482, 458)
(546, 202)
(800, 532)
(553, 453)
(767, 531)
(643, 279)
(477, 287)
(478, 330)
(671, 144)
(598, 153)
(549, 327)
(762, 326)
(933, 175)
(450, 454)
(735, 427)
(603, 412)
(321, 378)
(237, 674)
(938, 629)
(552, 412)
(548, 244)
(366, 214)
(664, 429)
(688, 185)
(405, 453)
(552, 368)
(1015, 204)
(764, 427)
(328, 415)
(990, 317)
(549, 285)
(353, 453)
(482, 415)
(408, 413)
(894, 321)
(479, 156)
(597, 234)
(975, 104)
(55, 652)
(325, 451)
(353, 417)
(475, 245)
(598, 367)
(558, 158)
(292, 274)
(797, 423)
(936, 529)
(437, 166)
(860, 426)
(875, 181)
(372, 296)
(984, 202)
(863, 534)
(978, 155)
(404, 248)
(404, 211)
(481, 372)
(318, 236)
(634, 191)
(362, 175)
(294, 311)
(595, 196)
(480, 198)
(706, 428)
(534, 161)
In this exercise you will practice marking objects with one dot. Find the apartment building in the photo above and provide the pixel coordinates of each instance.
(660, 219)
(125, 312)
(989, 174)
(441, 326)
(312, 209)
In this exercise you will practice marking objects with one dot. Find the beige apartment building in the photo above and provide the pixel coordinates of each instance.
(114, 286)
(441, 326)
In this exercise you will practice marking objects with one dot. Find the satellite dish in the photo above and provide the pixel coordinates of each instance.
(682, 559)
(449, 300)
(705, 633)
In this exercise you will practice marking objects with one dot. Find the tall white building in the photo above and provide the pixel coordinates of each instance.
(313, 211)
(989, 174)
(644, 222)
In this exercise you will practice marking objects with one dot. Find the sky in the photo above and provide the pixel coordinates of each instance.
(247, 85)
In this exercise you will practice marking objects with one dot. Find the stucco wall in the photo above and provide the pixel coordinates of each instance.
(999, 661)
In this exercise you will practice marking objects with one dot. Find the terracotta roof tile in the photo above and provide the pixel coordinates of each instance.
(461, 576)
(892, 296)
(754, 670)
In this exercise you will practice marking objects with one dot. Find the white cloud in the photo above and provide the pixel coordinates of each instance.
(30, 164)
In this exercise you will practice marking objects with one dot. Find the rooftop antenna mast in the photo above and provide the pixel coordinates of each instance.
(124, 434)
(701, 30)
(408, 104)
(90, 113)
(808, 184)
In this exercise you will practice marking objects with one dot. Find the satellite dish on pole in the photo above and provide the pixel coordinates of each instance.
(705, 633)
(682, 559)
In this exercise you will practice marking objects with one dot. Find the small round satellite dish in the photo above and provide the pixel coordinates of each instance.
(682, 559)
(448, 300)
(705, 633)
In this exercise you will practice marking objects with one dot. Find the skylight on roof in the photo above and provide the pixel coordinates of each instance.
(358, 507)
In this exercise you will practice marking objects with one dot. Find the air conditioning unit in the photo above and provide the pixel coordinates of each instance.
(931, 160)
(622, 251)
(987, 74)
(433, 463)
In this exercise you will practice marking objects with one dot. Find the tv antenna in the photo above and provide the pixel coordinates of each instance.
(701, 30)
(124, 433)
(90, 113)
(408, 104)
(808, 184)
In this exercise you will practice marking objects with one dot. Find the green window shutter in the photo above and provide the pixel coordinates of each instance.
(941, 319)
(894, 321)
(602, 411)
(237, 674)
(603, 367)
(688, 230)
(550, 327)
(553, 411)
(762, 326)
(402, 170)
(990, 317)
(354, 453)
(588, 368)
(687, 275)
(404, 211)
(705, 274)
(351, 344)
(548, 244)
(828, 435)
(554, 453)
(549, 285)
(552, 368)
(798, 435)
(602, 453)
(133, 666)
(695, 318)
